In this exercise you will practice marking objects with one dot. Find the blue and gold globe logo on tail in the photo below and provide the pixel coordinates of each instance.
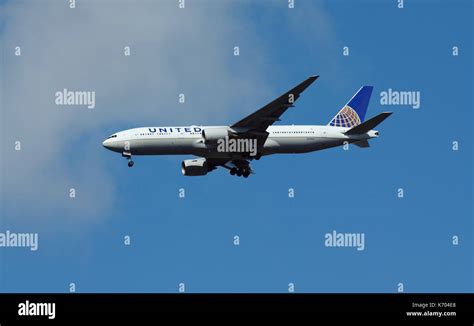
(347, 117)
(353, 113)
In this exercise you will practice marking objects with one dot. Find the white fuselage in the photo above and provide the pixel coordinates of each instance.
(189, 140)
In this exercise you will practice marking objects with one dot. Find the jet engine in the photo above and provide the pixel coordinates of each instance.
(194, 167)
(212, 135)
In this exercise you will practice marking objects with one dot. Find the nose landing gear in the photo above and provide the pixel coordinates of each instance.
(128, 156)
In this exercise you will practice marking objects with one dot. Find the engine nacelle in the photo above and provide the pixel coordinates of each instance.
(194, 167)
(212, 135)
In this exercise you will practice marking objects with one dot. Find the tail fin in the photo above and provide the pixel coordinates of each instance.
(353, 113)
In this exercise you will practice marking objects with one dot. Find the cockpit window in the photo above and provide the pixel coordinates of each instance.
(113, 136)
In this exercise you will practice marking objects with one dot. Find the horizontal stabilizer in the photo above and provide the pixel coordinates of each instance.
(362, 143)
(369, 124)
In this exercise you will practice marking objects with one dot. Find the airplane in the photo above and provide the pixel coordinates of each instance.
(347, 127)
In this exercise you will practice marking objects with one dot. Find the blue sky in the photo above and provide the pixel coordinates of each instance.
(190, 240)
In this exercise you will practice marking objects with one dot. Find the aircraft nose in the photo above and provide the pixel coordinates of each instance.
(106, 143)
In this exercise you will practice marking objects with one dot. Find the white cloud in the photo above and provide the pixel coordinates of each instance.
(172, 51)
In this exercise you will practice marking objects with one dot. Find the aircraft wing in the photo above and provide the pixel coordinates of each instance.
(259, 121)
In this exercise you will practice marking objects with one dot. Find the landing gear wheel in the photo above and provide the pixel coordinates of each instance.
(233, 171)
(239, 172)
(130, 163)
(246, 173)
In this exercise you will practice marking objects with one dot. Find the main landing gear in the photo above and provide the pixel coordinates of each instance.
(128, 156)
(240, 172)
